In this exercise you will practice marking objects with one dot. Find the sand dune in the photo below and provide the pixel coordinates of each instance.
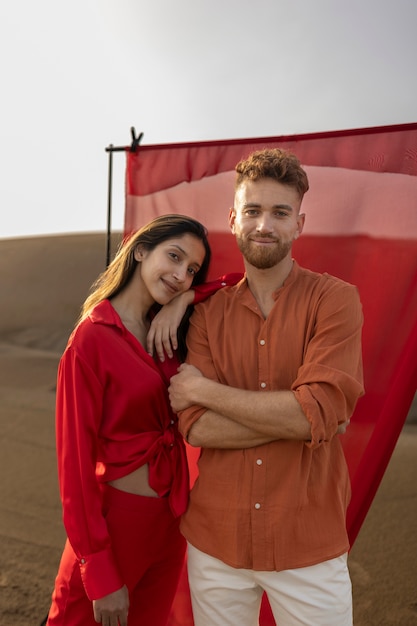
(44, 281)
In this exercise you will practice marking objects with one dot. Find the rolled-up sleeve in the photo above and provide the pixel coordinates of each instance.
(330, 379)
(199, 355)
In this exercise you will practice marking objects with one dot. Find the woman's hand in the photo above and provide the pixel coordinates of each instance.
(112, 610)
(162, 334)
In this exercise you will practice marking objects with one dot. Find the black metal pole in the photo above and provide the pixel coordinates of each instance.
(109, 199)
(110, 149)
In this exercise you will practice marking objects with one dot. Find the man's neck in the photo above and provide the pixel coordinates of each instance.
(264, 283)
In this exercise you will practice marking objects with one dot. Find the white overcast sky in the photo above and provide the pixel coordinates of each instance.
(75, 76)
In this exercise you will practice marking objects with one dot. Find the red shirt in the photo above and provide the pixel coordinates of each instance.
(113, 416)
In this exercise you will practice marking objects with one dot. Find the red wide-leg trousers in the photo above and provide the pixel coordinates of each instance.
(149, 550)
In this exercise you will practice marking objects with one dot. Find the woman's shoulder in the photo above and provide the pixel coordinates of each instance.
(209, 288)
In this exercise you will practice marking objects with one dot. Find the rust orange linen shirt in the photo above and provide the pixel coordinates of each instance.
(281, 505)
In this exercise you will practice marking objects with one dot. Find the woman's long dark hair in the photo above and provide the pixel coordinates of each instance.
(121, 269)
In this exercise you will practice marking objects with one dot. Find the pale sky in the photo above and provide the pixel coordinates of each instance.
(75, 76)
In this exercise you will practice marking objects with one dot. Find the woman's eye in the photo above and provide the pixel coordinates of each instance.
(174, 256)
(192, 271)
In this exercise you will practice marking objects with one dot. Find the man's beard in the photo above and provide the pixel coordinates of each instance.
(263, 257)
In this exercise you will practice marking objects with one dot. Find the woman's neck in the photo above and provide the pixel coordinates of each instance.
(133, 310)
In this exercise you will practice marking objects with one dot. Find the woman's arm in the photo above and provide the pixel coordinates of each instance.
(162, 335)
(78, 410)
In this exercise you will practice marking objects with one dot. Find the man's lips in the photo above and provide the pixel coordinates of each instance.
(263, 241)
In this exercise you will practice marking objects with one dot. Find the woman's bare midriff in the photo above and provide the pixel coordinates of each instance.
(137, 482)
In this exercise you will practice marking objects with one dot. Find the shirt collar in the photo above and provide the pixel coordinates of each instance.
(104, 313)
(242, 285)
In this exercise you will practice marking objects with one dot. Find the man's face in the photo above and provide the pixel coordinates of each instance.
(266, 220)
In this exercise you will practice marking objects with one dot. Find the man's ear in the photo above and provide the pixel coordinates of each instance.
(300, 221)
(232, 218)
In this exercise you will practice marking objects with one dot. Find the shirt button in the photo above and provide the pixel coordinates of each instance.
(262, 342)
(257, 505)
(258, 461)
(223, 284)
(263, 385)
(82, 561)
(172, 421)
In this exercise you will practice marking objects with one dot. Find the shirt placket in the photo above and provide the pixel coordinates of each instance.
(259, 466)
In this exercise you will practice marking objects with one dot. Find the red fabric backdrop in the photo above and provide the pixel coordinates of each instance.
(361, 225)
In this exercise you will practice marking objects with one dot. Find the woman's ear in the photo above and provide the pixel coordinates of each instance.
(139, 253)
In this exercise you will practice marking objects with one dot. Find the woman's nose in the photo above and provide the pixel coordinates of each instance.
(180, 274)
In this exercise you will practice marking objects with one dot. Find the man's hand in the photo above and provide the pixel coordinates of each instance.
(183, 388)
(111, 610)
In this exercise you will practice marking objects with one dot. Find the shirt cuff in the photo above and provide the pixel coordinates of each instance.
(203, 291)
(187, 418)
(309, 407)
(100, 574)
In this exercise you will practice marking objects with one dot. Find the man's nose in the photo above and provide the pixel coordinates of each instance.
(264, 223)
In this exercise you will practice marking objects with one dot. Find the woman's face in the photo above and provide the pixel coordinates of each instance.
(169, 268)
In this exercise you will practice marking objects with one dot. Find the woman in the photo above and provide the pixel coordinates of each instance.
(121, 462)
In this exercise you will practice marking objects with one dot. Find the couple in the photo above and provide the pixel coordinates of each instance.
(272, 375)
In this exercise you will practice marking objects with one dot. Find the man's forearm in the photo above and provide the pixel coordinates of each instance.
(274, 414)
(212, 430)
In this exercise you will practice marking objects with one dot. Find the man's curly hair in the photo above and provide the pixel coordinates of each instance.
(280, 165)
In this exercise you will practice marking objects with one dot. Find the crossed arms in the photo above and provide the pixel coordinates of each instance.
(236, 418)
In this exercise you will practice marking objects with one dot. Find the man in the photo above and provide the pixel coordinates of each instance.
(273, 373)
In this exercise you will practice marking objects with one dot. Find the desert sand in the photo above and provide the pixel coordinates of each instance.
(43, 283)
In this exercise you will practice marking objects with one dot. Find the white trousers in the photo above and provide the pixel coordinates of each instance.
(319, 595)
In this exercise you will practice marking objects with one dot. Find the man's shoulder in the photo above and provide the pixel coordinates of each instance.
(324, 280)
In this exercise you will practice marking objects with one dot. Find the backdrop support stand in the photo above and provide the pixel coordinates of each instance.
(110, 149)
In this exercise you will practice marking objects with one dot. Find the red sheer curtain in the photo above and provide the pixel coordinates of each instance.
(361, 225)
